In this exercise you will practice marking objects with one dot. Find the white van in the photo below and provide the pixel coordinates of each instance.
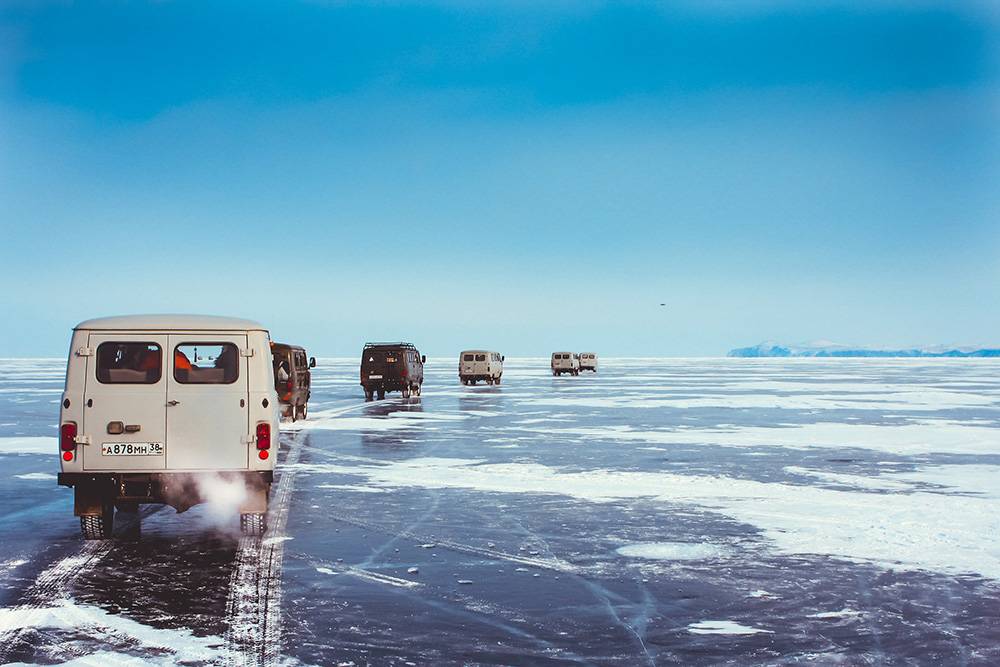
(476, 365)
(565, 362)
(588, 361)
(167, 409)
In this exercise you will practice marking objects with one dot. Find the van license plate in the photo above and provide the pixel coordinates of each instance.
(132, 448)
(374, 377)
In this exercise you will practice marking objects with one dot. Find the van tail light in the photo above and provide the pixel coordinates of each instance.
(263, 437)
(67, 437)
(403, 373)
(288, 385)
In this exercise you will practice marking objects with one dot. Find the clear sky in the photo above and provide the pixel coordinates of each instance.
(519, 176)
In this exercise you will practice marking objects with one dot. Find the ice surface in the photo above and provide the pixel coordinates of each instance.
(945, 533)
(660, 512)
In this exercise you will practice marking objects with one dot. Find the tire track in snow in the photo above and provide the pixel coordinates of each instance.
(49, 588)
(253, 606)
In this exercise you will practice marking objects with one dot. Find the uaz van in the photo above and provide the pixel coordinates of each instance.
(476, 365)
(565, 362)
(588, 361)
(391, 367)
(292, 379)
(165, 409)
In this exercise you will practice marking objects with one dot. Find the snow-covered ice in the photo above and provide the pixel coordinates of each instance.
(727, 511)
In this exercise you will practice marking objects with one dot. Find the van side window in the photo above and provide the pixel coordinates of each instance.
(129, 363)
(206, 363)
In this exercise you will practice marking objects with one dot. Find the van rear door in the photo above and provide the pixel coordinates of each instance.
(125, 396)
(208, 402)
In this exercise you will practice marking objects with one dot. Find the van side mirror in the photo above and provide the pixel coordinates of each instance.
(312, 362)
(423, 359)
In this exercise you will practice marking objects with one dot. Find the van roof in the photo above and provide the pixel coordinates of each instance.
(407, 346)
(286, 346)
(170, 322)
(479, 352)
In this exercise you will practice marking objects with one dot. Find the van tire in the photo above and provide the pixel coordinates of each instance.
(254, 524)
(98, 526)
(406, 392)
(418, 389)
(497, 381)
(381, 394)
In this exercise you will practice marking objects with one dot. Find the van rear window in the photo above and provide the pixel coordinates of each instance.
(129, 363)
(206, 363)
(468, 357)
(480, 357)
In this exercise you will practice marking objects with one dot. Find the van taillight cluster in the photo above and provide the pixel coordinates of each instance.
(263, 439)
(67, 440)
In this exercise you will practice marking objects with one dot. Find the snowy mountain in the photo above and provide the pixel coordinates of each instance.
(828, 349)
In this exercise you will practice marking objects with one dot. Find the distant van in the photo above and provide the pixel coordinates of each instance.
(292, 379)
(476, 365)
(588, 361)
(565, 362)
(159, 408)
(391, 367)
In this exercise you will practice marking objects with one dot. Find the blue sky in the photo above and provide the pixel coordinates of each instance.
(508, 175)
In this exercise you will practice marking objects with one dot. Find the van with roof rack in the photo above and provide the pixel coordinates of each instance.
(171, 409)
(292, 379)
(476, 365)
(391, 367)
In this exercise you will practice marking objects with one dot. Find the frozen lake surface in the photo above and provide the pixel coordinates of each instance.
(727, 511)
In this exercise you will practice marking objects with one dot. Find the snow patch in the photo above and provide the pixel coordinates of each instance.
(670, 551)
(723, 628)
(36, 476)
(29, 445)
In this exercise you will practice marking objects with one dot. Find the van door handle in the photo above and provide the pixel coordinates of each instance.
(173, 403)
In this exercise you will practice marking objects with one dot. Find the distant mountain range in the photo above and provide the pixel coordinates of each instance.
(826, 349)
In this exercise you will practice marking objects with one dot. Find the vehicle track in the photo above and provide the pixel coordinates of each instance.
(253, 606)
(49, 588)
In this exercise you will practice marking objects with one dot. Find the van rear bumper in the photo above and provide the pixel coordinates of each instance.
(180, 490)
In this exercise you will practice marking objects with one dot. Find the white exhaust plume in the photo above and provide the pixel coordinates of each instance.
(223, 496)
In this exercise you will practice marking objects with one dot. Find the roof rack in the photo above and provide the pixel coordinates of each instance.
(409, 346)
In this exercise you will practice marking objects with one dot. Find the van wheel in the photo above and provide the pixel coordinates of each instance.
(369, 396)
(253, 524)
(381, 394)
(98, 526)
(305, 411)
(497, 380)
(406, 392)
(418, 389)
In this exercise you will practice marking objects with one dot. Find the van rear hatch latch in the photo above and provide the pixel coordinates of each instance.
(85, 352)
(246, 352)
(248, 439)
(82, 440)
